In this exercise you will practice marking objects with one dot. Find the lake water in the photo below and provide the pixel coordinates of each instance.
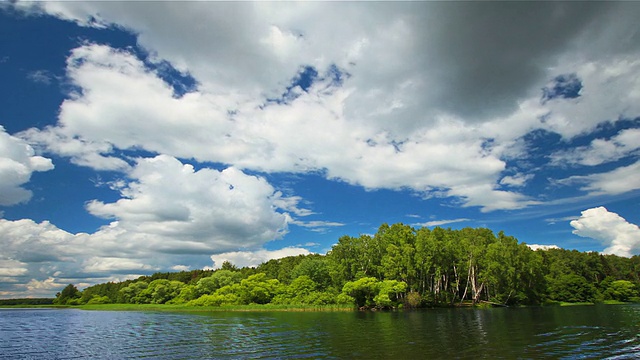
(579, 332)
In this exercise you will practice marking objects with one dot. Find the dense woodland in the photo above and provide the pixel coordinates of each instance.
(399, 266)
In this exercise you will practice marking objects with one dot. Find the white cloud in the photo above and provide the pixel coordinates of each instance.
(619, 236)
(40, 76)
(254, 258)
(316, 225)
(396, 123)
(552, 221)
(169, 213)
(108, 114)
(17, 162)
(614, 182)
(610, 92)
(535, 247)
(517, 180)
(10, 268)
(44, 286)
(112, 265)
(204, 210)
(81, 152)
(440, 222)
(181, 268)
(600, 151)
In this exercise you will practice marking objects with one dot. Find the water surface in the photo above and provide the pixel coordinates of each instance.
(581, 332)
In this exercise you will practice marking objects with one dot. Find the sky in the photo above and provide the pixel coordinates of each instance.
(142, 137)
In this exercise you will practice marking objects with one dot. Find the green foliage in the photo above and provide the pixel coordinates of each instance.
(571, 288)
(130, 294)
(258, 289)
(281, 269)
(316, 268)
(413, 300)
(27, 301)
(370, 292)
(218, 279)
(304, 291)
(159, 292)
(397, 266)
(226, 265)
(68, 296)
(215, 300)
(187, 293)
(390, 293)
(97, 299)
(622, 290)
(362, 290)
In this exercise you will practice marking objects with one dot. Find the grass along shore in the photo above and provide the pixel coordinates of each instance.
(239, 308)
(188, 308)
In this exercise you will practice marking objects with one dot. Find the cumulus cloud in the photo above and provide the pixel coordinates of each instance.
(378, 115)
(10, 268)
(254, 258)
(17, 162)
(108, 114)
(609, 93)
(169, 213)
(115, 265)
(205, 209)
(80, 152)
(619, 236)
(535, 247)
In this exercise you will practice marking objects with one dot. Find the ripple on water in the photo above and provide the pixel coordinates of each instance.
(513, 333)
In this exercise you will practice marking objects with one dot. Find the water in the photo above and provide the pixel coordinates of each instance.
(581, 332)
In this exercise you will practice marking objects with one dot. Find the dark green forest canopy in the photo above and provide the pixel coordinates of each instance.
(399, 266)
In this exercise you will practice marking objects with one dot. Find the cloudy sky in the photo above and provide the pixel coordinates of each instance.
(160, 136)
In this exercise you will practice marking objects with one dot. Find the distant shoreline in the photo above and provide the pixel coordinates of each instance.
(257, 307)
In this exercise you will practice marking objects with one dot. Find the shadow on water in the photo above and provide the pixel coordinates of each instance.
(523, 333)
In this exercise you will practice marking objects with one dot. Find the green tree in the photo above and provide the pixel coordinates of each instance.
(218, 279)
(622, 290)
(160, 291)
(571, 288)
(316, 268)
(129, 294)
(67, 295)
(258, 289)
(362, 291)
(398, 263)
(97, 299)
(187, 293)
(389, 293)
(227, 265)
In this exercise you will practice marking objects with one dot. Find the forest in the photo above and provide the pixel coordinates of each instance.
(398, 267)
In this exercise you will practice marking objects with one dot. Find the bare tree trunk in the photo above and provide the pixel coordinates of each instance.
(466, 286)
(476, 298)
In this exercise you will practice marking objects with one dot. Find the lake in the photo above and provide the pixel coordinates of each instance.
(577, 332)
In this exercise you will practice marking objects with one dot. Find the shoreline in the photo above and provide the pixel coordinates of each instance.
(260, 308)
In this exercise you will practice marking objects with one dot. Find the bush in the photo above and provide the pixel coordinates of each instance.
(413, 300)
(96, 299)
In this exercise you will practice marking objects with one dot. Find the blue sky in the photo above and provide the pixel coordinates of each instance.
(162, 136)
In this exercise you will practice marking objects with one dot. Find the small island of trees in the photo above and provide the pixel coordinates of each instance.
(398, 267)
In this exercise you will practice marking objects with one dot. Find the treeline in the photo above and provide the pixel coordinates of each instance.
(27, 301)
(399, 266)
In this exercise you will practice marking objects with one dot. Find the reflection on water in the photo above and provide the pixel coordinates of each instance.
(529, 333)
